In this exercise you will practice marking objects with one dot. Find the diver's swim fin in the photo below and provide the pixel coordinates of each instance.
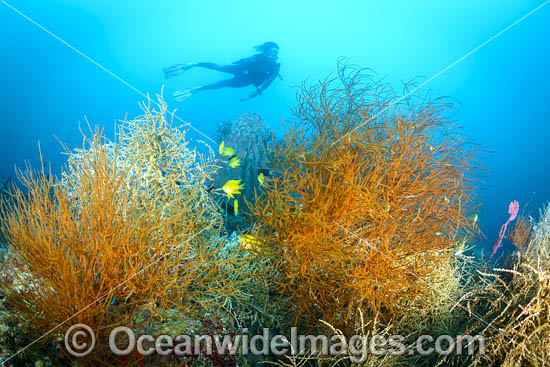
(182, 95)
(178, 69)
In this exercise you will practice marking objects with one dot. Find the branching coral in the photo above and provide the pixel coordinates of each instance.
(514, 305)
(521, 234)
(371, 192)
(361, 351)
(7, 189)
(128, 236)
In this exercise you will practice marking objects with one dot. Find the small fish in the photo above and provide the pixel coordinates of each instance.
(236, 207)
(474, 219)
(229, 152)
(438, 233)
(248, 241)
(266, 171)
(221, 148)
(232, 187)
(261, 179)
(446, 199)
(234, 162)
(460, 250)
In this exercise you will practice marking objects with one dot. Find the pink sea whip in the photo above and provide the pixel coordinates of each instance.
(513, 210)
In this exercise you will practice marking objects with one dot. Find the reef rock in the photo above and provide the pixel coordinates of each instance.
(248, 135)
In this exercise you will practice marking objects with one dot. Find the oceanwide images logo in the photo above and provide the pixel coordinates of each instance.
(80, 341)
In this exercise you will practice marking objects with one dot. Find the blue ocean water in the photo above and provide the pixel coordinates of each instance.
(67, 60)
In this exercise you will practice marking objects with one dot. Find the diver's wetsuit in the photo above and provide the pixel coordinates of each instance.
(258, 70)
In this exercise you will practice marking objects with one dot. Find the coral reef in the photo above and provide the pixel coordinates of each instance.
(12, 335)
(370, 196)
(248, 136)
(357, 222)
(514, 306)
(520, 236)
(7, 189)
(129, 236)
(357, 354)
(513, 210)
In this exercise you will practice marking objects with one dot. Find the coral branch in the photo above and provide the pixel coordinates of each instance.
(365, 201)
(513, 209)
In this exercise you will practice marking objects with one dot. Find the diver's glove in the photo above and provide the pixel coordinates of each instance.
(175, 70)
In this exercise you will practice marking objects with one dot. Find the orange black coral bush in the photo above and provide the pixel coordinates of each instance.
(370, 193)
(113, 244)
(521, 234)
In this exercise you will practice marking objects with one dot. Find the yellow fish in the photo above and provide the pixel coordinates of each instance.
(261, 179)
(234, 162)
(228, 152)
(460, 249)
(474, 219)
(236, 207)
(232, 187)
(248, 241)
(221, 148)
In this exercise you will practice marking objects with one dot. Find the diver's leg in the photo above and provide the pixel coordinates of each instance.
(177, 69)
(227, 83)
(182, 95)
(230, 68)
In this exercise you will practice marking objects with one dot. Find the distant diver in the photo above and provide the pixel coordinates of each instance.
(258, 70)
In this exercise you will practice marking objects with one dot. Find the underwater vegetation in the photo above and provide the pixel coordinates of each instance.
(7, 188)
(357, 221)
(514, 302)
(371, 195)
(513, 210)
(366, 329)
(521, 234)
(128, 235)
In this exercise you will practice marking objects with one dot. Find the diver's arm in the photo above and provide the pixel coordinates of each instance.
(260, 89)
(269, 80)
(251, 95)
(265, 84)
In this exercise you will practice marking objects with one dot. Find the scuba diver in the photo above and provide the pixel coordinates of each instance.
(258, 70)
